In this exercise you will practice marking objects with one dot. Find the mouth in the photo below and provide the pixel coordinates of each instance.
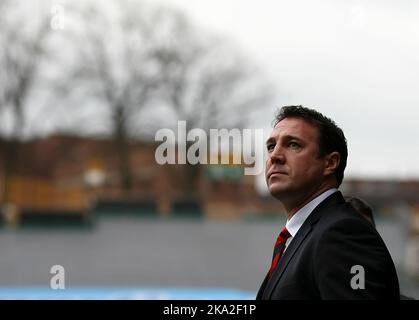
(276, 173)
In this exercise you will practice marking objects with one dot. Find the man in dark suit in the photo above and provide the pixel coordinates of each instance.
(326, 249)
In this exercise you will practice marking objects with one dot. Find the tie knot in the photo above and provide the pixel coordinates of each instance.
(283, 236)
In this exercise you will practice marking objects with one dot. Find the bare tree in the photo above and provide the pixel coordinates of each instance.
(114, 69)
(204, 80)
(131, 57)
(22, 49)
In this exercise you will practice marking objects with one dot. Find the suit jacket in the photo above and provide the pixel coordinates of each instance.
(318, 262)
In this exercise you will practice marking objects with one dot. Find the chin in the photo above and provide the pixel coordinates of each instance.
(277, 191)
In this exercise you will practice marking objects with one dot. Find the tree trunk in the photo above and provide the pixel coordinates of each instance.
(123, 150)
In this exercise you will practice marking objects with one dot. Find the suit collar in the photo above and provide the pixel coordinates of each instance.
(297, 220)
(333, 200)
(301, 235)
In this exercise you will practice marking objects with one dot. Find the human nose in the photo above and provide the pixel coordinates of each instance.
(277, 155)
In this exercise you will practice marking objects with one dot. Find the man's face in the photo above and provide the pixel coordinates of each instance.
(293, 168)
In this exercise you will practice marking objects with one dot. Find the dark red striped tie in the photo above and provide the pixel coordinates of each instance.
(279, 249)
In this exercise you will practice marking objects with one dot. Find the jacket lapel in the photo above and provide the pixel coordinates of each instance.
(262, 288)
(297, 241)
(285, 259)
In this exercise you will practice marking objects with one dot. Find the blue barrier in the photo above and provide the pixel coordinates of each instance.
(123, 293)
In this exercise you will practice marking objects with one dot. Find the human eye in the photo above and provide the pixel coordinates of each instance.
(270, 146)
(294, 145)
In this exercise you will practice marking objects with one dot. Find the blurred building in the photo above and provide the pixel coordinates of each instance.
(68, 172)
(77, 172)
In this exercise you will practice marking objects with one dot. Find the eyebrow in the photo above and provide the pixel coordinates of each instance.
(270, 140)
(285, 138)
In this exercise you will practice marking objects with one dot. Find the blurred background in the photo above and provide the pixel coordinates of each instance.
(85, 85)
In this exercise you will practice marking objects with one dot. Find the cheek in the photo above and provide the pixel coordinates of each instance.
(267, 165)
(304, 168)
(314, 169)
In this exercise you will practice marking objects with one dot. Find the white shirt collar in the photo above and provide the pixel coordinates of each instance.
(297, 220)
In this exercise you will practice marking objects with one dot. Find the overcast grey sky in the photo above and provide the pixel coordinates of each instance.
(355, 61)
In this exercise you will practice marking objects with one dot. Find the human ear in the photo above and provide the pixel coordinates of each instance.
(332, 161)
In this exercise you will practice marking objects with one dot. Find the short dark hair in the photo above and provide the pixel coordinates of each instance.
(362, 207)
(330, 137)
